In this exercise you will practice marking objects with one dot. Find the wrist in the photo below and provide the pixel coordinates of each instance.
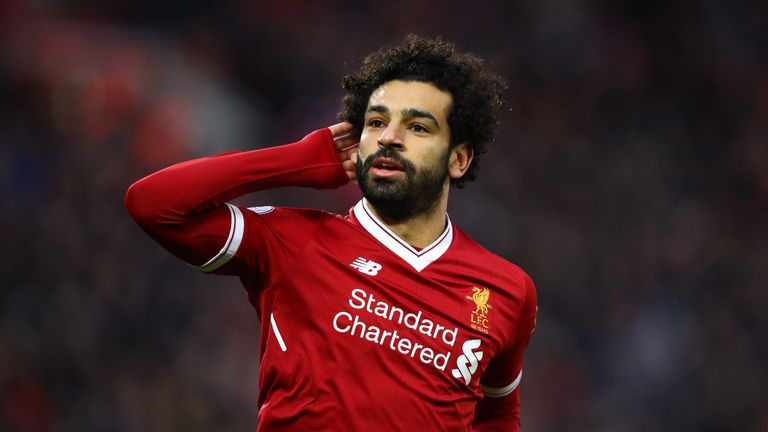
(316, 160)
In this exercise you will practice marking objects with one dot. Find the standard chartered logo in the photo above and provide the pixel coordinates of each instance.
(466, 364)
(398, 334)
(399, 330)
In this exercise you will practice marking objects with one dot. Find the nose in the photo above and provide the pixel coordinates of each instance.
(391, 136)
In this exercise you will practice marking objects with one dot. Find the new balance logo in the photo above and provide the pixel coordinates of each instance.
(366, 266)
(466, 364)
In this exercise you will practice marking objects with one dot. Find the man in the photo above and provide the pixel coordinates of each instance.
(390, 318)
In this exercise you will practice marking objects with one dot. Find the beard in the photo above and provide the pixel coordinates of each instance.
(401, 198)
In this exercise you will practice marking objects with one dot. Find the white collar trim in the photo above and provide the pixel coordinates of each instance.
(417, 259)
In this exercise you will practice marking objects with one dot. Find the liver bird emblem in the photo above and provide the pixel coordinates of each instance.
(480, 297)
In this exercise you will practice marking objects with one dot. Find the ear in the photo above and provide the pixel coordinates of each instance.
(461, 158)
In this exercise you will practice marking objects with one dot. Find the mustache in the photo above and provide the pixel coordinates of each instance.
(389, 153)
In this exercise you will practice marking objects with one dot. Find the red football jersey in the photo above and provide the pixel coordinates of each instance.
(363, 332)
(360, 331)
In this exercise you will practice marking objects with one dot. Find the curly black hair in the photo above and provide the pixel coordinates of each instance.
(477, 94)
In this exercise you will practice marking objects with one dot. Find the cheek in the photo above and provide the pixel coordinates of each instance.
(363, 135)
(367, 144)
(438, 156)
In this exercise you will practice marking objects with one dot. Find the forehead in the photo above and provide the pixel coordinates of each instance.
(398, 95)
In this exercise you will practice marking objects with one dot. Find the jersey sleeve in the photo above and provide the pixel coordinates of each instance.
(270, 242)
(500, 408)
(185, 207)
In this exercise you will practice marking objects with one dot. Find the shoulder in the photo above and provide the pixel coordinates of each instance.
(473, 253)
(276, 212)
(506, 280)
(512, 286)
(286, 220)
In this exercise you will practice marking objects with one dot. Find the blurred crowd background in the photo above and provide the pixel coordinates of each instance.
(629, 178)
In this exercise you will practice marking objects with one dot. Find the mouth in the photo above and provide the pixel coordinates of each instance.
(386, 168)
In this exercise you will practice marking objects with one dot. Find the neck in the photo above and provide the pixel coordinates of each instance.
(422, 229)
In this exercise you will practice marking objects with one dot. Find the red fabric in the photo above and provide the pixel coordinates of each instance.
(357, 334)
(181, 206)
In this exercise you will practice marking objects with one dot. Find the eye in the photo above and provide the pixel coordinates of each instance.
(418, 128)
(375, 123)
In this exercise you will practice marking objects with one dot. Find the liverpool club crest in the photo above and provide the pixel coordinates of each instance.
(479, 317)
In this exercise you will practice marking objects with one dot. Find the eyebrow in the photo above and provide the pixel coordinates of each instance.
(406, 112)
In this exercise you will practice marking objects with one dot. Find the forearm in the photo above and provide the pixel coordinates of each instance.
(168, 203)
(196, 186)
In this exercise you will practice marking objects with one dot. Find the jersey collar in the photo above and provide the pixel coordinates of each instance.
(419, 260)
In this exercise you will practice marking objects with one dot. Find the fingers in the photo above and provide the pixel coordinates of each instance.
(343, 137)
(346, 143)
(349, 168)
(340, 129)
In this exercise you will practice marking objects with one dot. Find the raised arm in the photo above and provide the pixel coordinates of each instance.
(184, 207)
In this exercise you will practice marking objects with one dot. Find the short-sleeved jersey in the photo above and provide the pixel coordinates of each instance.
(361, 331)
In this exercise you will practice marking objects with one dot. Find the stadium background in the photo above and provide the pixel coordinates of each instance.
(629, 177)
